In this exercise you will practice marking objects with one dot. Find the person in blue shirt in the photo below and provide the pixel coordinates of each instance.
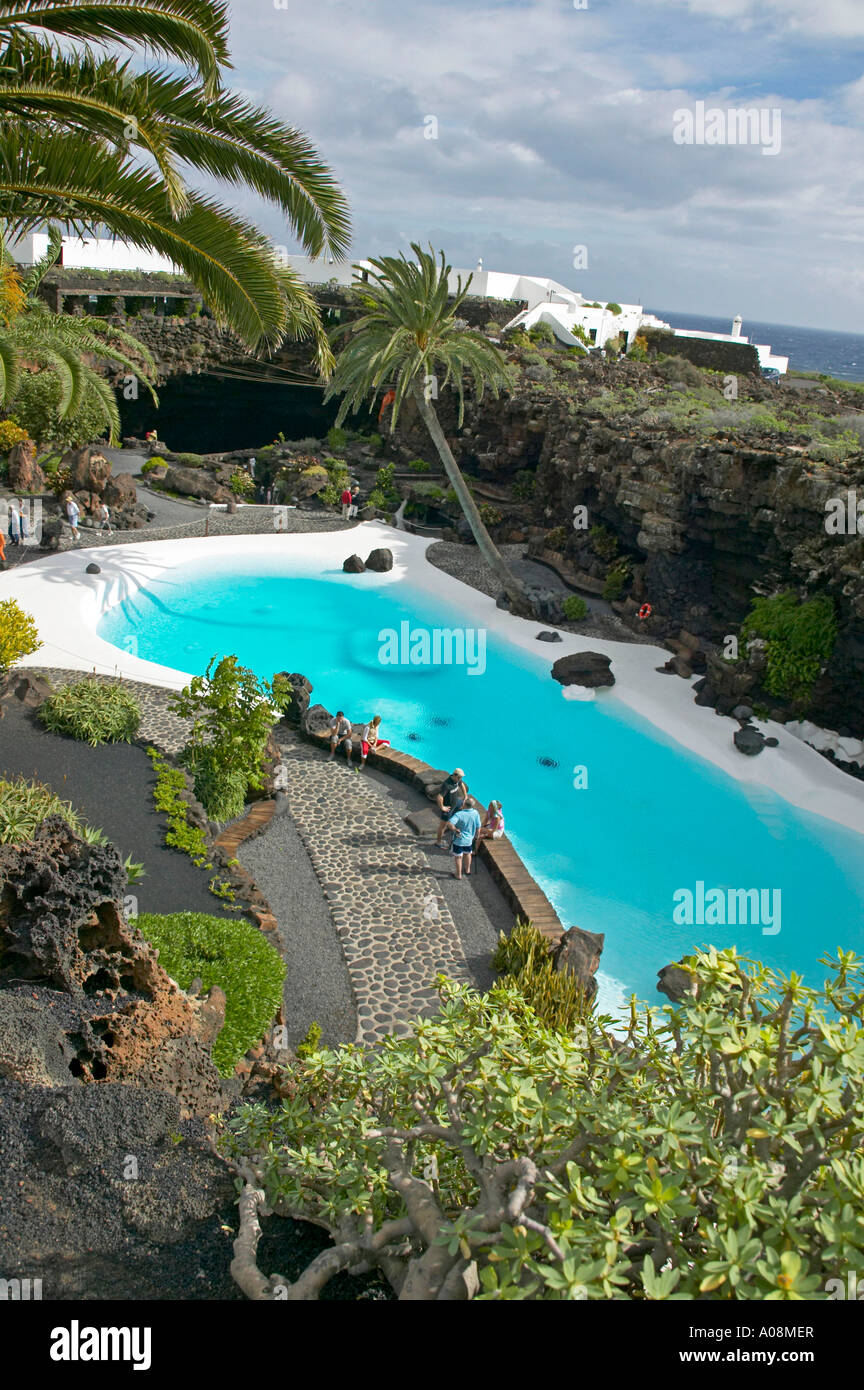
(465, 825)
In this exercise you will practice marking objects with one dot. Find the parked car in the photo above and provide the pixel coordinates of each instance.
(771, 374)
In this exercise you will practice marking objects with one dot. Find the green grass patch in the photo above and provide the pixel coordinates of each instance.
(231, 954)
(25, 805)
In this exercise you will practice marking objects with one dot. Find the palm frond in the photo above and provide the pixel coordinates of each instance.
(10, 370)
(194, 32)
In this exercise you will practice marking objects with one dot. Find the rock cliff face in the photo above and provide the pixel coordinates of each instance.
(706, 522)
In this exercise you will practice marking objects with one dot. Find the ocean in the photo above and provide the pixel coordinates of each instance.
(808, 349)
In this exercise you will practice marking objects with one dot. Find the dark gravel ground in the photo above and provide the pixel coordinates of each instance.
(317, 986)
(112, 787)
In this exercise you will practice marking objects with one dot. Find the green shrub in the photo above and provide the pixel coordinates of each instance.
(557, 538)
(241, 484)
(541, 333)
(191, 460)
(799, 636)
(330, 494)
(232, 713)
(614, 584)
(384, 495)
(603, 543)
(155, 462)
(524, 959)
(517, 338)
(232, 954)
(311, 1043)
(92, 710)
(839, 450)
(419, 466)
(337, 438)
(613, 308)
(25, 805)
(523, 485)
(168, 798)
(489, 515)
(680, 369)
(19, 635)
(575, 608)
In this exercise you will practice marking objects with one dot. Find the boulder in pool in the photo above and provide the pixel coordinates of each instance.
(380, 560)
(353, 565)
(677, 983)
(579, 952)
(590, 669)
(93, 569)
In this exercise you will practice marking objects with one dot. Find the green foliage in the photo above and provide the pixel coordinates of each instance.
(155, 462)
(603, 543)
(191, 460)
(429, 492)
(330, 494)
(542, 333)
(337, 438)
(241, 484)
(489, 515)
(134, 871)
(556, 539)
(419, 466)
(375, 441)
(384, 494)
(39, 403)
(517, 338)
(25, 805)
(524, 959)
(232, 954)
(19, 635)
(168, 798)
(11, 434)
(232, 713)
(311, 1042)
(614, 308)
(615, 583)
(523, 485)
(680, 369)
(838, 450)
(719, 1140)
(92, 710)
(575, 608)
(799, 635)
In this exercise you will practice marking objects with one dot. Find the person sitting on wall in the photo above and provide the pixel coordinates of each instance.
(340, 733)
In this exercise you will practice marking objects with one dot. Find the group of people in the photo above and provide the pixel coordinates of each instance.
(462, 818)
(349, 501)
(455, 808)
(342, 736)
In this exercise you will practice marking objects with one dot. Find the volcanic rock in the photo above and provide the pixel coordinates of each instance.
(547, 636)
(353, 565)
(120, 491)
(194, 482)
(93, 569)
(579, 952)
(89, 468)
(317, 720)
(591, 669)
(749, 740)
(380, 560)
(298, 702)
(24, 474)
(676, 983)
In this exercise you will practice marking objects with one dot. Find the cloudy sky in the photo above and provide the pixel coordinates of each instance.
(555, 130)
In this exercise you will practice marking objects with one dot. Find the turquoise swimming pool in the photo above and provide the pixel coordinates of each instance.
(612, 845)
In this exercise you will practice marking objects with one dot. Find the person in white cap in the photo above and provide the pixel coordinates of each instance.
(451, 798)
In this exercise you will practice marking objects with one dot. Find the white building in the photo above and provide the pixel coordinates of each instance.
(91, 253)
(766, 357)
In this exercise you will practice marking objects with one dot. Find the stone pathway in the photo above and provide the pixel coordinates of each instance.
(394, 926)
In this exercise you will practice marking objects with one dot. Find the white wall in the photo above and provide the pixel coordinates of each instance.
(91, 253)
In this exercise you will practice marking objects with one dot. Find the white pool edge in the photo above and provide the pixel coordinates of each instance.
(793, 770)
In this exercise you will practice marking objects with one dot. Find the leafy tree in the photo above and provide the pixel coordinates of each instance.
(711, 1149)
(232, 713)
(411, 341)
(19, 635)
(85, 140)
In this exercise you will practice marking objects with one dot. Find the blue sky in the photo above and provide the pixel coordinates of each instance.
(554, 130)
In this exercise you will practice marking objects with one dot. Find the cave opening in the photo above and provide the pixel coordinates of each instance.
(209, 414)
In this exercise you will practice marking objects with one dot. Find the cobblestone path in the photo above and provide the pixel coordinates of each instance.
(395, 929)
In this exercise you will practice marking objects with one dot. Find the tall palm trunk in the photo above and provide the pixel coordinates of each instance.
(519, 603)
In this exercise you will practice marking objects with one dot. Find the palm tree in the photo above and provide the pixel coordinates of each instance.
(88, 142)
(32, 338)
(408, 338)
